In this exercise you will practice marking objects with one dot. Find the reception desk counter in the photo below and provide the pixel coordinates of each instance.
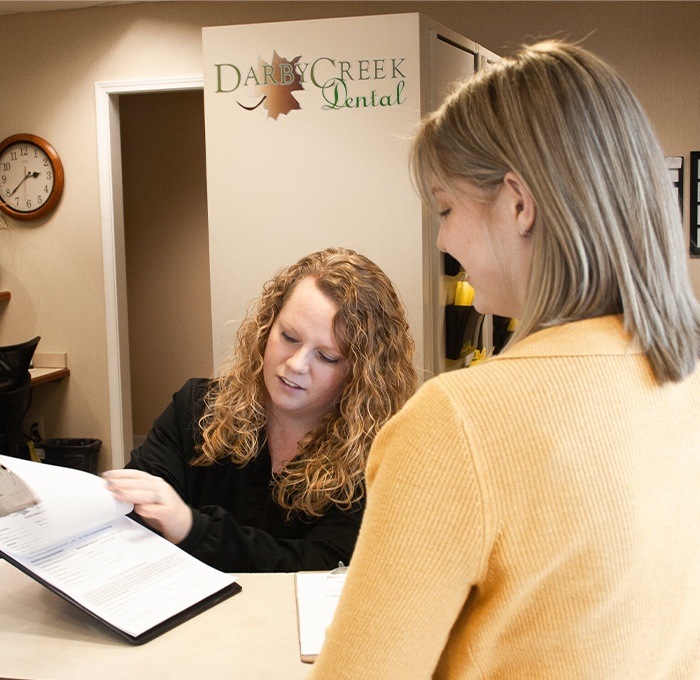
(251, 636)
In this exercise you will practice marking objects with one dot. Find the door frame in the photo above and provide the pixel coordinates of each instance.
(109, 162)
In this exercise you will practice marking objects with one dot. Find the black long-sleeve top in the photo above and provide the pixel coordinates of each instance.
(237, 525)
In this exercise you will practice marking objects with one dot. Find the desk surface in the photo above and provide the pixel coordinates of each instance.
(251, 636)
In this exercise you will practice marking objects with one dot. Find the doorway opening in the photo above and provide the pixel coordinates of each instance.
(153, 210)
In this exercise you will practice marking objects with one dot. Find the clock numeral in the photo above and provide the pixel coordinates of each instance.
(49, 175)
(6, 167)
(23, 151)
(29, 203)
(38, 200)
(4, 179)
(46, 162)
(13, 155)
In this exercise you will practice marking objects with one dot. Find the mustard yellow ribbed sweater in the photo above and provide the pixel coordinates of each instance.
(534, 517)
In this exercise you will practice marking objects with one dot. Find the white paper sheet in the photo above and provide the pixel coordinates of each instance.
(317, 598)
(71, 501)
(78, 540)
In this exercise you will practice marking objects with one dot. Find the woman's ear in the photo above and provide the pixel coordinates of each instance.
(524, 209)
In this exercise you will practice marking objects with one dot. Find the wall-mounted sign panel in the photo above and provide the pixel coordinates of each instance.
(308, 127)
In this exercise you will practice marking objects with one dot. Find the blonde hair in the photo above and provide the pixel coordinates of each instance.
(608, 236)
(372, 333)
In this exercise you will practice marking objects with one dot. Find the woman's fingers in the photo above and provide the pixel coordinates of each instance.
(154, 500)
(136, 486)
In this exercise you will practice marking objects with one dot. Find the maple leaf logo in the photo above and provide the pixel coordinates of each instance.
(277, 82)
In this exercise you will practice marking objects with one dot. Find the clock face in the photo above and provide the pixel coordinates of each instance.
(31, 177)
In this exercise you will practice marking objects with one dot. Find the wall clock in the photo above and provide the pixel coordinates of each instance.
(31, 177)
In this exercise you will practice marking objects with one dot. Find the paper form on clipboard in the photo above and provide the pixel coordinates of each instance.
(317, 595)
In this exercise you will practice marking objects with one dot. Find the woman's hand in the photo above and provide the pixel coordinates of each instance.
(154, 500)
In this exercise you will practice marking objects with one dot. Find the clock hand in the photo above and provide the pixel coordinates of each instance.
(27, 176)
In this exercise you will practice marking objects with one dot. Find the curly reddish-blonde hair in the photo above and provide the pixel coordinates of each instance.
(372, 333)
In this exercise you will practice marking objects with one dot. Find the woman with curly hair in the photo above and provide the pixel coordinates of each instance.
(262, 469)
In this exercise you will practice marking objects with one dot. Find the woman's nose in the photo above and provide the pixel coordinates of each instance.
(299, 361)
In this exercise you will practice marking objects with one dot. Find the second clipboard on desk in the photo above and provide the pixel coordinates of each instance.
(317, 595)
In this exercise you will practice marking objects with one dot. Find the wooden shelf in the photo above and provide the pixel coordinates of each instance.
(45, 375)
(47, 367)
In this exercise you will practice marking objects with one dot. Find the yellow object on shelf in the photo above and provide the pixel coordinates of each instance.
(479, 356)
(33, 455)
(464, 295)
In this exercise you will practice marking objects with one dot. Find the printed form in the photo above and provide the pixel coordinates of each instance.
(78, 541)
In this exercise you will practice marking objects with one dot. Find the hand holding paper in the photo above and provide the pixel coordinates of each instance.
(154, 500)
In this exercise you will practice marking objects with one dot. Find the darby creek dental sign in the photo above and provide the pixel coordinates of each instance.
(360, 84)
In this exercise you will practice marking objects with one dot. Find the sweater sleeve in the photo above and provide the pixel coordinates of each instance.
(219, 540)
(421, 548)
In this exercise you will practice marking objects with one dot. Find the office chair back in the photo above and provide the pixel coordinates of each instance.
(15, 393)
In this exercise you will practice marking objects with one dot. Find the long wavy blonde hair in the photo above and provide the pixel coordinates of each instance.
(372, 333)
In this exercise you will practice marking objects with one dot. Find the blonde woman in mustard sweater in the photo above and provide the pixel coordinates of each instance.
(537, 516)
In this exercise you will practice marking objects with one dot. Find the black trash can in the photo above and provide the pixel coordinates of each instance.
(80, 454)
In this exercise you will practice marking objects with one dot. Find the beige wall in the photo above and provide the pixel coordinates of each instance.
(54, 268)
(167, 246)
